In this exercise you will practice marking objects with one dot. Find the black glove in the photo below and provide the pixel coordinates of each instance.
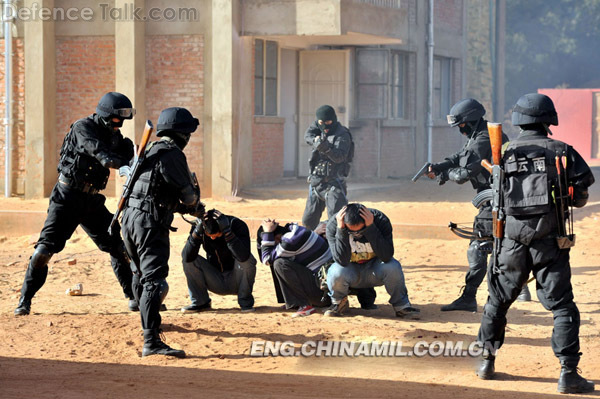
(223, 222)
(441, 178)
(110, 161)
(197, 210)
(198, 229)
(322, 145)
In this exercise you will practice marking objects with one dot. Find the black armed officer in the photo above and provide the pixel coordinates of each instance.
(165, 185)
(92, 147)
(329, 164)
(539, 172)
(465, 166)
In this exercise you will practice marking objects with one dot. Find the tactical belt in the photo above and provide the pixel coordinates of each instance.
(85, 188)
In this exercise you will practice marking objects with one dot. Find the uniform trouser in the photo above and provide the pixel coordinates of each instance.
(332, 196)
(551, 269)
(202, 277)
(68, 209)
(299, 285)
(147, 242)
(367, 275)
(477, 257)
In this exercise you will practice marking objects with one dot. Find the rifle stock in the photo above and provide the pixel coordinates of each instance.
(495, 131)
(497, 172)
(133, 175)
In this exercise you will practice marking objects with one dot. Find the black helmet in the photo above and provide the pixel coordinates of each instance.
(115, 105)
(534, 108)
(178, 124)
(176, 119)
(466, 110)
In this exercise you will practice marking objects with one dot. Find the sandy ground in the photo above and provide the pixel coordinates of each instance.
(90, 346)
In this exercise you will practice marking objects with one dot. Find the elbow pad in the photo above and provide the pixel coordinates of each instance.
(580, 197)
(458, 175)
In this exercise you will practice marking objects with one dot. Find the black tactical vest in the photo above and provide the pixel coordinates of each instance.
(150, 192)
(323, 168)
(80, 167)
(531, 175)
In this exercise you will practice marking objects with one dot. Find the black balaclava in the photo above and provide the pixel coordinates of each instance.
(180, 139)
(110, 124)
(326, 113)
(469, 128)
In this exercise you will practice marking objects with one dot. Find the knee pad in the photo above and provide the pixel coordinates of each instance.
(41, 256)
(568, 313)
(157, 289)
(495, 312)
(163, 290)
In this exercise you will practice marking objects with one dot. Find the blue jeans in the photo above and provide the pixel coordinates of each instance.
(367, 275)
(203, 277)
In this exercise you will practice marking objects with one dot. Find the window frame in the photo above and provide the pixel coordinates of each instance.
(442, 86)
(389, 110)
(266, 77)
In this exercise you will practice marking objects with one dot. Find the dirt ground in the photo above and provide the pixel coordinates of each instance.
(90, 346)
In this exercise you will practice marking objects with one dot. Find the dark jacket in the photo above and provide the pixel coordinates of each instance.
(220, 253)
(465, 165)
(165, 184)
(378, 236)
(331, 162)
(90, 149)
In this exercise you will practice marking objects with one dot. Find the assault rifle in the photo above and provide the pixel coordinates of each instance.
(497, 172)
(132, 173)
(423, 171)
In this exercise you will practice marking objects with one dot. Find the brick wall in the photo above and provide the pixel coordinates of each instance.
(175, 78)
(85, 71)
(267, 152)
(448, 16)
(18, 135)
(479, 83)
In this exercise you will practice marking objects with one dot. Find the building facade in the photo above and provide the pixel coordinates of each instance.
(253, 72)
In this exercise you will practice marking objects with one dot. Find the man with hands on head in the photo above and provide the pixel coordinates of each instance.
(296, 255)
(362, 246)
(228, 269)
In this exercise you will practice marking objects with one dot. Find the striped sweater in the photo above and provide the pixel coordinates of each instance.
(299, 244)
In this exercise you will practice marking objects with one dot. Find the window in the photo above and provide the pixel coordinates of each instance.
(442, 84)
(398, 86)
(265, 77)
(381, 84)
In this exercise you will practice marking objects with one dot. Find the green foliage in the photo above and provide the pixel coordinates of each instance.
(551, 43)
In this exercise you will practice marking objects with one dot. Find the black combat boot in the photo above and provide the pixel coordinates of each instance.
(24, 307)
(525, 295)
(570, 381)
(465, 302)
(153, 345)
(35, 277)
(486, 369)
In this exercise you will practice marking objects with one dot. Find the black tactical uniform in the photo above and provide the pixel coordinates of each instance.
(165, 185)
(535, 218)
(462, 167)
(92, 146)
(329, 166)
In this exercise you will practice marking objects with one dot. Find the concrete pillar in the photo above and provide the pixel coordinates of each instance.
(130, 70)
(222, 98)
(130, 67)
(40, 104)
